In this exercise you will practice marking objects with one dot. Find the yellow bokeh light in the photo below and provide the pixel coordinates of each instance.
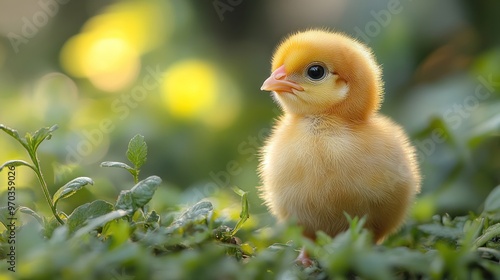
(141, 24)
(108, 50)
(195, 89)
(190, 88)
(112, 64)
(74, 53)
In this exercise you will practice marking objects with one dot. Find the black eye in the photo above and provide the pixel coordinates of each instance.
(316, 72)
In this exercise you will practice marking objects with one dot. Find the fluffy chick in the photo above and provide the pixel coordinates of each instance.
(331, 152)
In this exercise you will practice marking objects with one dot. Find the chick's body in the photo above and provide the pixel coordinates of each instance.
(331, 152)
(314, 169)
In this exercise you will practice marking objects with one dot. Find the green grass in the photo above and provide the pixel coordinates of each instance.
(125, 239)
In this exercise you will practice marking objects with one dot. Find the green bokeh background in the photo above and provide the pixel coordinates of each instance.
(441, 64)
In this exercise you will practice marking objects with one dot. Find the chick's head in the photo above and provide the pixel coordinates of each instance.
(320, 72)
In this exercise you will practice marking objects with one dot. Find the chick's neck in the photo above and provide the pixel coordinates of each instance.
(321, 122)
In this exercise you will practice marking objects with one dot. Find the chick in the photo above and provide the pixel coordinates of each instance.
(331, 151)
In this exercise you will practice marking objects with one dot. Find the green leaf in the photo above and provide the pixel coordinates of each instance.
(153, 217)
(133, 171)
(139, 195)
(441, 231)
(492, 202)
(14, 134)
(71, 188)
(99, 221)
(117, 231)
(197, 213)
(472, 229)
(371, 265)
(244, 215)
(125, 202)
(414, 261)
(137, 151)
(16, 162)
(32, 213)
(87, 211)
(117, 164)
(44, 133)
(239, 191)
(50, 225)
(489, 233)
(143, 191)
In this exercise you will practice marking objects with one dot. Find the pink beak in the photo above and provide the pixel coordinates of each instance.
(277, 82)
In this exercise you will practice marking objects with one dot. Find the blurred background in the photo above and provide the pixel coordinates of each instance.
(186, 75)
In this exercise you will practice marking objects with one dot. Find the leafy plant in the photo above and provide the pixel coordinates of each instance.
(101, 219)
(136, 153)
(125, 239)
(31, 142)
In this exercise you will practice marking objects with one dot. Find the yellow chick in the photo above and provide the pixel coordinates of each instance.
(332, 152)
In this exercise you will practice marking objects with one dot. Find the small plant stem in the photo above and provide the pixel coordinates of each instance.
(136, 176)
(45, 189)
(243, 215)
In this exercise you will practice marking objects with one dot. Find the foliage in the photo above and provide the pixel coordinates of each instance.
(136, 153)
(31, 142)
(127, 240)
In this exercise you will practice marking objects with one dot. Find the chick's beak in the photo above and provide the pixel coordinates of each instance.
(277, 82)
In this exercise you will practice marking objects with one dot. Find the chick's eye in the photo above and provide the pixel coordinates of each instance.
(316, 72)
